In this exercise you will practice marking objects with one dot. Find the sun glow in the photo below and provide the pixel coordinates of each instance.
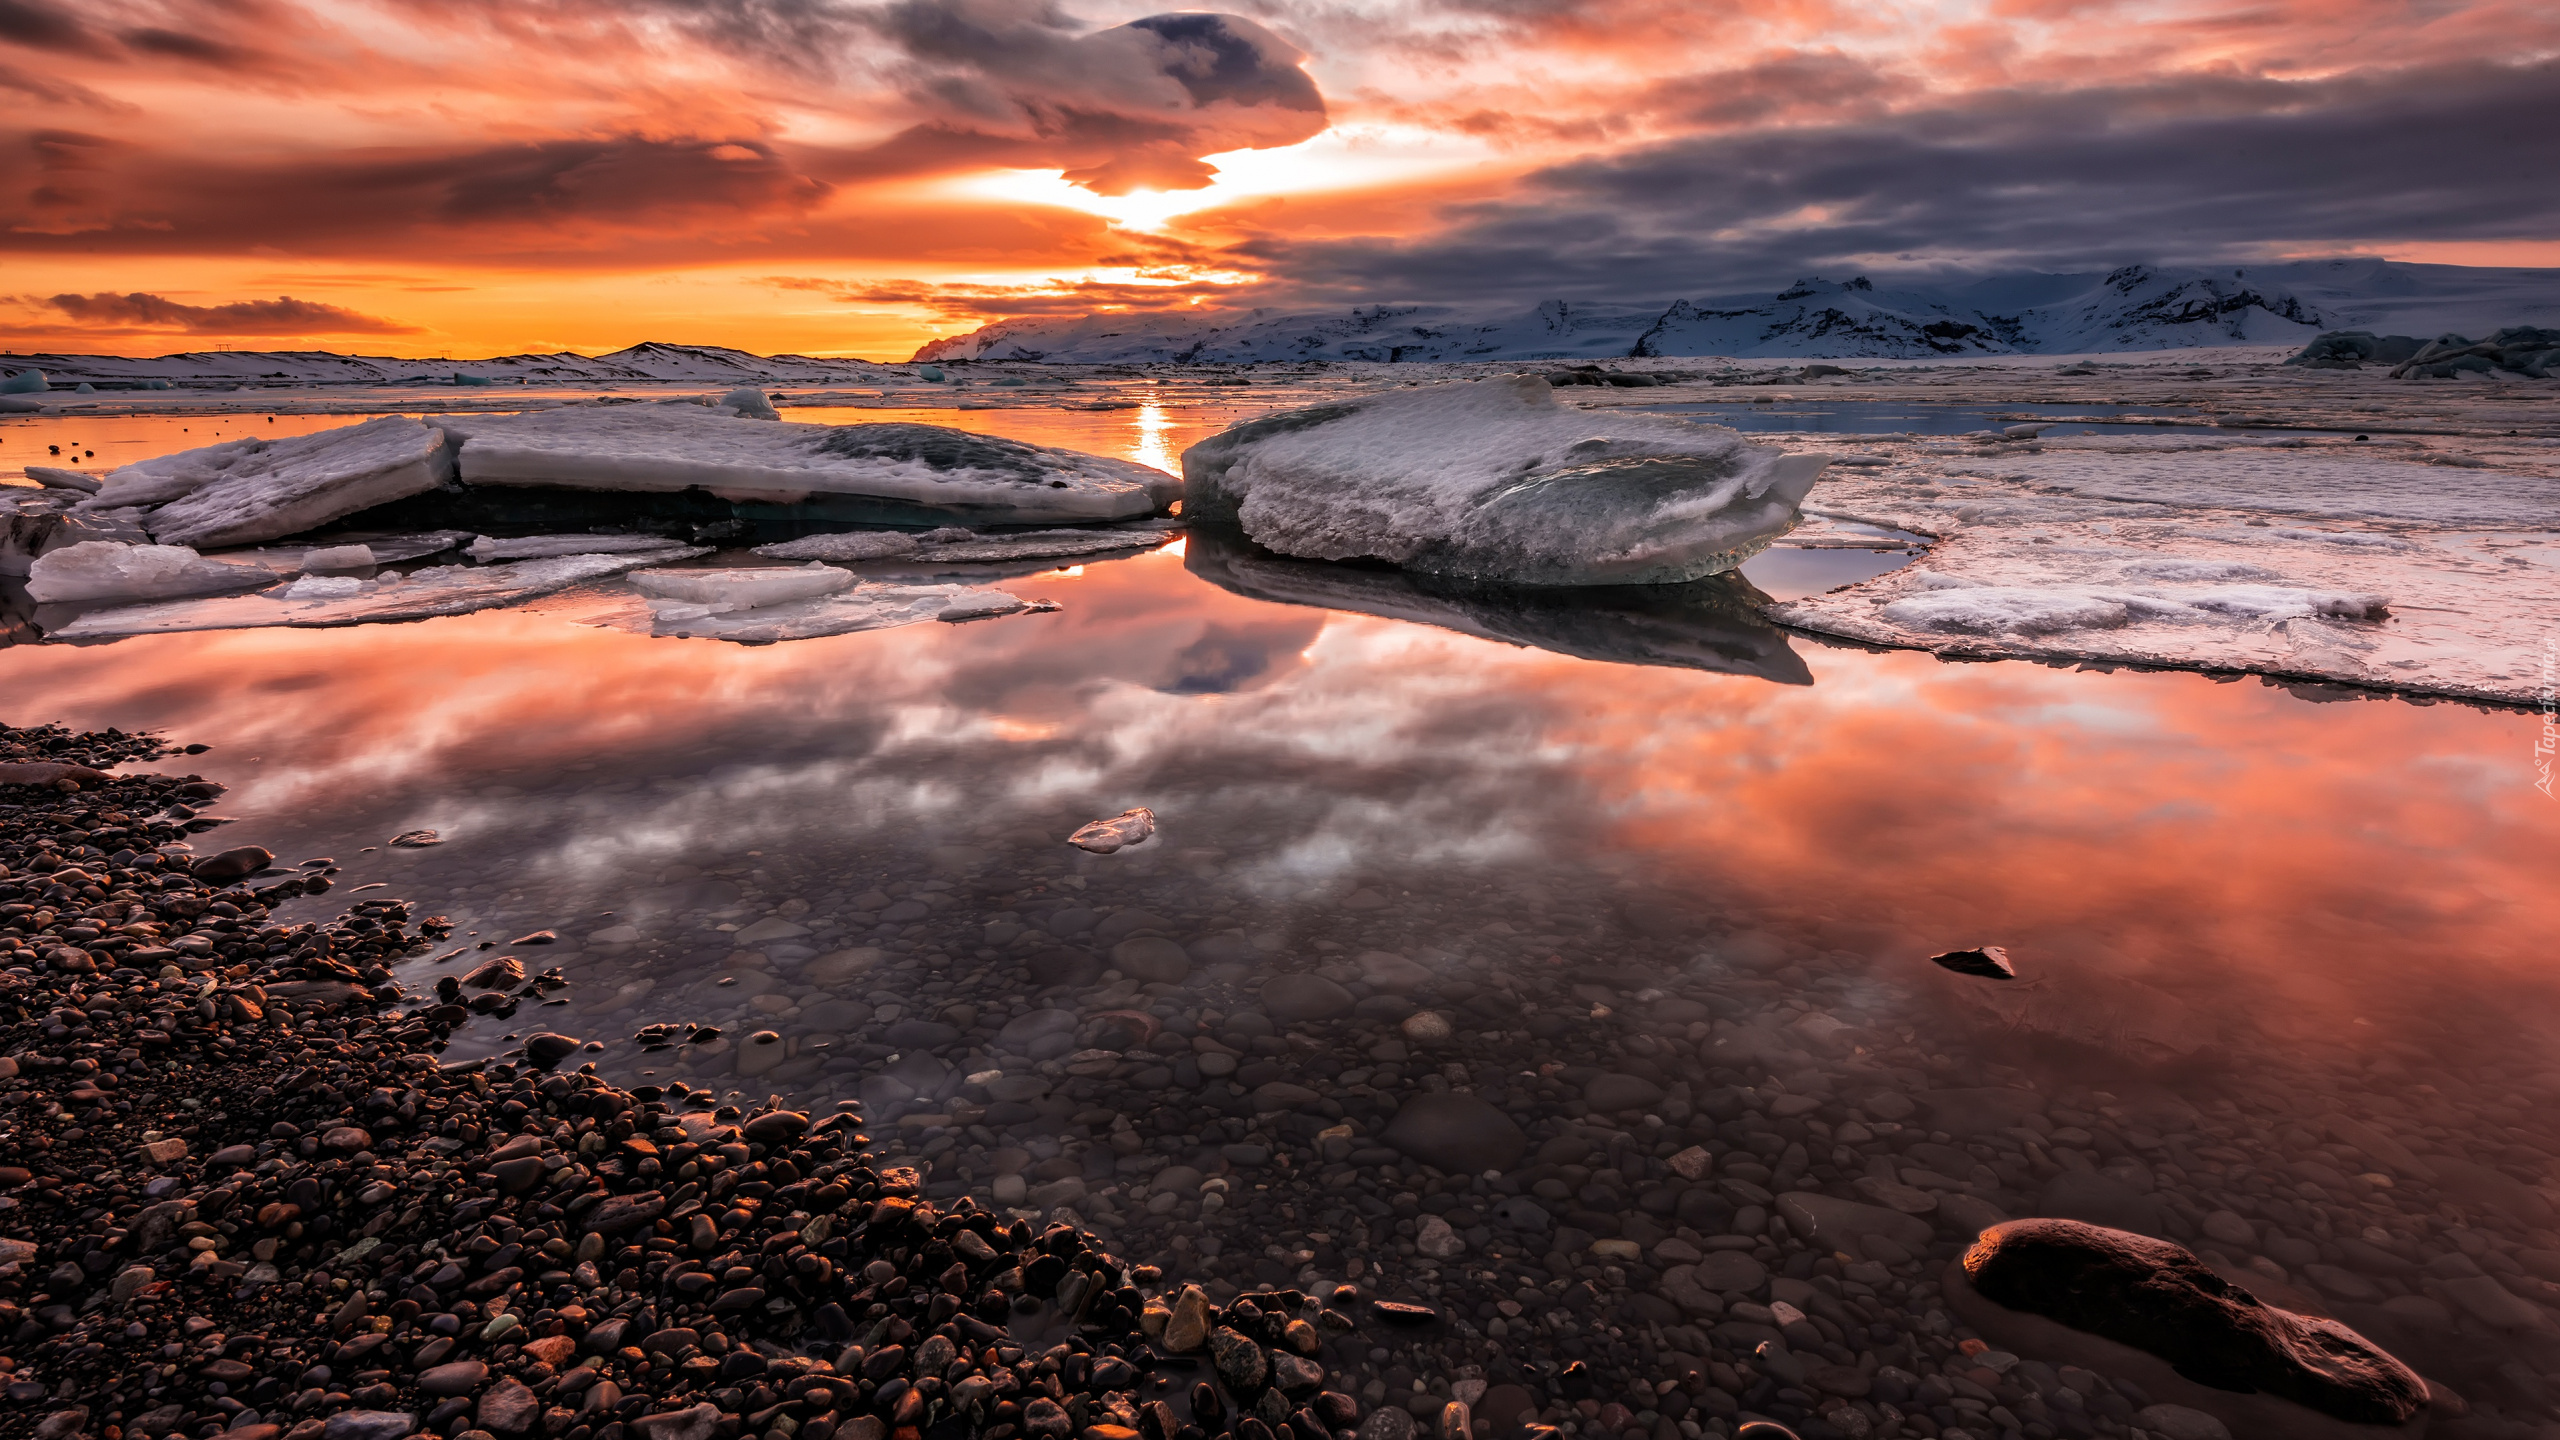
(1345, 158)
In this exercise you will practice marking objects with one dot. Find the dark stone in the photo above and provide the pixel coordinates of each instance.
(776, 1127)
(1612, 1093)
(2158, 1297)
(1988, 961)
(232, 865)
(1304, 997)
(1456, 1133)
(546, 1049)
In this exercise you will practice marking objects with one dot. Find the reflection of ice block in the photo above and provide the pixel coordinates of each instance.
(96, 570)
(1495, 479)
(662, 448)
(245, 491)
(443, 590)
(1712, 624)
(719, 591)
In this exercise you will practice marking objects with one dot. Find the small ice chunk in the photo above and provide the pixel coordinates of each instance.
(243, 491)
(1102, 837)
(2281, 601)
(931, 373)
(341, 557)
(536, 547)
(2024, 432)
(84, 388)
(54, 477)
(984, 605)
(25, 382)
(720, 591)
(667, 448)
(751, 403)
(1497, 480)
(324, 587)
(95, 570)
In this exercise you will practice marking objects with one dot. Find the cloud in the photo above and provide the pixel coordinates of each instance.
(2190, 168)
(1132, 107)
(979, 303)
(283, 315)
(90, 193)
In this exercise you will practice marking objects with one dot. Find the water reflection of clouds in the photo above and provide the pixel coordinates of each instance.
(2224, 842)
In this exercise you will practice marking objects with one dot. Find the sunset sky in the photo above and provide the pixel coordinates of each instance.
(474, 178)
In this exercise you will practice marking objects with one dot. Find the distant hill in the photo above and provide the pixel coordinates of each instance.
(2135, 307)
(710, 364)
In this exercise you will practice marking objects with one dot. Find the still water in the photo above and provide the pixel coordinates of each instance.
(1640, 875)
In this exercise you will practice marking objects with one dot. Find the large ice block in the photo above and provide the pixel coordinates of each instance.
(1497, 480)
(678, 447)
(241, 492)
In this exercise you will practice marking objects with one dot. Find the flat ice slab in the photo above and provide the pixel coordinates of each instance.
(678, 447)
(1498, 480)
(536, 547)
(861, 607)
(346, 600)
(961, 545)
(2385, 564)
(241, 492)
(98, 571)
(697, 593)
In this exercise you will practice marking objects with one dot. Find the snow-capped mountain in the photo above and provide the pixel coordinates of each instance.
(651, 361)
(1556, 330)
(2135, 307)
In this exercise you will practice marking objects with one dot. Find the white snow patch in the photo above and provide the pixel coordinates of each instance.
(1495, 479)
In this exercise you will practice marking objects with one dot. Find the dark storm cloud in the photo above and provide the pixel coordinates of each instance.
(283, 315)
(1013, 82)
(499, 193)
(40, 26)
(2194, 169)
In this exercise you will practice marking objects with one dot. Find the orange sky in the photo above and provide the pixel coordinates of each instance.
(474, 178)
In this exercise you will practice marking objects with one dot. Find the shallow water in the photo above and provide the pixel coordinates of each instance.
(1840, 416)
(1670, 876)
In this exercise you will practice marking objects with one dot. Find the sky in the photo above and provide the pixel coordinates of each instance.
(827, 177)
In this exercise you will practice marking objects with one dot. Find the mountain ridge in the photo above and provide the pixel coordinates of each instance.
(2133, 307)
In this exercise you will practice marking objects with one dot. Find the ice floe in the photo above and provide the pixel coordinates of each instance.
(960, 544)
(95, 571)
(1495, 479)
(535, 547)
(692, 594)
(318, 600)
(1712, 624)
(2378, 566)
(845, 610)
(931, 469)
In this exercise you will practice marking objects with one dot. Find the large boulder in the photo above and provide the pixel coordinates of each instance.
(2150, 1310)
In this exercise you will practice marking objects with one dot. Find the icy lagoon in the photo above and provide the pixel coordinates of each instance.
(1650, 878)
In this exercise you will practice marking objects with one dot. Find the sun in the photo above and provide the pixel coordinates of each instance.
(1344, 158)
